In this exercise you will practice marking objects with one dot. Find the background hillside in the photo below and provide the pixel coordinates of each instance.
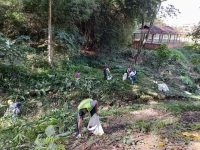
(31, 83)
(43, 43)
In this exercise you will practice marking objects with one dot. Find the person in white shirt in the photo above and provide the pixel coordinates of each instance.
(133, 76)
(128, 71)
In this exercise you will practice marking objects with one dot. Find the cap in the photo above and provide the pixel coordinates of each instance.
(10, 102)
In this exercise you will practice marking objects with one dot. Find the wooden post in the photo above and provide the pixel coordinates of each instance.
(170, 37)
(174, 38)
(134, 37)
(161, 38)
(152, 38)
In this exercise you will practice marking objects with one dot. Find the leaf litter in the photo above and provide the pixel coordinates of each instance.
(118, 135)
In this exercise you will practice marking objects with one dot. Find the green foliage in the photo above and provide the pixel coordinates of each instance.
(159, 21)
(48, 131)
(197, 68)
(69, 39)
(177, 107)
(147, 126)
(196, 35)
(103, 26)
(188, 81)
(163, 54)
(193, 126)
(50, 141)
(195, 59)
(11, 52)
(179, 54)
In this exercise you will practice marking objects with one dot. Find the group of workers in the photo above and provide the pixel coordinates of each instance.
(130, 73)
(86, 105)
(90, 105)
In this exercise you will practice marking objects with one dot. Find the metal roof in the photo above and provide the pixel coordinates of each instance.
(158, 30)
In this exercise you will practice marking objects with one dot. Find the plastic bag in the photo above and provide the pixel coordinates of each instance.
(94, 125)
(109, 77)
(93, 122)
(163, 87)
(124, 76)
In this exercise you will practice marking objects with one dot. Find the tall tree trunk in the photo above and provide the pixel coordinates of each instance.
(142, 39)
(50, 51)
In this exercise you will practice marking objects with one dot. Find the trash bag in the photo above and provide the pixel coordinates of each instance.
(163, 87)
(124, 76)
(109, 77)
(94, 125)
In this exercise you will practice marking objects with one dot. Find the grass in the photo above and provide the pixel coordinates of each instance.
(177, 107)
(31, 87)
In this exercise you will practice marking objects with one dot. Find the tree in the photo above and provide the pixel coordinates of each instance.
(147, 12)
(50, 51)
(159, 21)
(196, 34)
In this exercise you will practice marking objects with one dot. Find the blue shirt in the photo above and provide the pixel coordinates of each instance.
(15, 105)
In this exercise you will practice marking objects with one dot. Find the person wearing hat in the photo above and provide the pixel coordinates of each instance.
(86, 105)
(132, 76)
(14, 107)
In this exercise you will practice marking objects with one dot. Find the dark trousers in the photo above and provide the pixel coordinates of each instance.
(92, 112)
(133, 79)
(105, 74)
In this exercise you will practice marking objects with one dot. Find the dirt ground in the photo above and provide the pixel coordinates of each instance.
(118, 136)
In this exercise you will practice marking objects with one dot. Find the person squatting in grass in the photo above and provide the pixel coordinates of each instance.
(86, 105)
(14, 107)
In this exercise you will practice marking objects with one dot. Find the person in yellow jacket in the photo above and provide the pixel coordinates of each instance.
(86, 105)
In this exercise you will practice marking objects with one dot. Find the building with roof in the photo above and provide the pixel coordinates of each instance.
(158, 35)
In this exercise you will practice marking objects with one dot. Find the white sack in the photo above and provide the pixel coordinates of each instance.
(124, 76)
(163, 87)
(109, 77)
(94, 125)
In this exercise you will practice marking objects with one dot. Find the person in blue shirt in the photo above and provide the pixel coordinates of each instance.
(14, 107)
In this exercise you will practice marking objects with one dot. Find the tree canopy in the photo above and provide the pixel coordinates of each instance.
(96, 25)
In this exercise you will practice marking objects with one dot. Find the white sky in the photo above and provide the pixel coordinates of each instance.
(190, 12)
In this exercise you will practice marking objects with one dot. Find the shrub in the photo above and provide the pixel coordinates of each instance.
(163, 54)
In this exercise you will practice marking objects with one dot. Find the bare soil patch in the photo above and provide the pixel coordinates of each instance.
(116, 131)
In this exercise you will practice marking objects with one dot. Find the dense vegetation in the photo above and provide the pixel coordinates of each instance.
(104, 27)
(48, 125)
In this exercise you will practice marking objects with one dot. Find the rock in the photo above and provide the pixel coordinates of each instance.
(105, 108)
(154, 94)
(39, 104)
(161, 97)
(146, 97)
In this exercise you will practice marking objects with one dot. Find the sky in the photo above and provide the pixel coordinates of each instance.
(190, 12)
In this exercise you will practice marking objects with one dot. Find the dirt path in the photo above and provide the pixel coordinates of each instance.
(135, 131)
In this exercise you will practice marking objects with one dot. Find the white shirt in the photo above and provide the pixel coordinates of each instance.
(133, 73)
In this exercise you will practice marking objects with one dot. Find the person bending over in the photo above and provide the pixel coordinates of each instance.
(86, 105)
